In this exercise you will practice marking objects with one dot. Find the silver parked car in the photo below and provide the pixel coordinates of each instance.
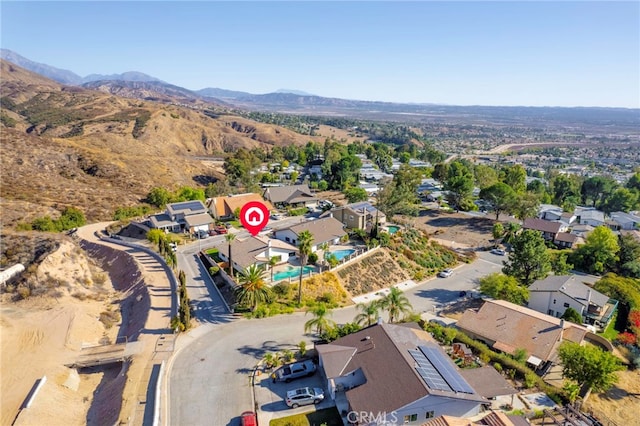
(304, 396)
(445, 273)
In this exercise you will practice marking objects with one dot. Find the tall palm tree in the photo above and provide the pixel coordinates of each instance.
(252, 289)
(395, 303)
(305, 238)
(319, 321)
(369, 314)
(230, 237)
(273, 261)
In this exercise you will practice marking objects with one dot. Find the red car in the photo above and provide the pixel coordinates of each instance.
(221, 230)
(249, 418)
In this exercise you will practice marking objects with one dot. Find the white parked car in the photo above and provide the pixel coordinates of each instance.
(304, 396)
(498, 251)
(445, 273)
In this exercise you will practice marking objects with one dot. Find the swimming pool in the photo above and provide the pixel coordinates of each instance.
(393, 229)
(341, 254)
(292, 271)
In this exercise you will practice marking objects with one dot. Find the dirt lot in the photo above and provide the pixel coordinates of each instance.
(454, 229)
(621, 403)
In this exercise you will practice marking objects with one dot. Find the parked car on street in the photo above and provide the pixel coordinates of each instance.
(498, 251)
(304, 396)
(445, 273)
(248, 418)
(289, 372)
(221, 230)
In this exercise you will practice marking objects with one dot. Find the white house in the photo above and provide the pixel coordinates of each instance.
(590, 216)
(326, 230)
(626, 221)
(255, 251)
(554, 294)
(175, 217)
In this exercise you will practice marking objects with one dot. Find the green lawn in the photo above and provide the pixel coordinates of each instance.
(610, 333)
(328, 416)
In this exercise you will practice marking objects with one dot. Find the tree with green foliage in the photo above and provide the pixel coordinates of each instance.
(229, 237)
(336, 332)
(459, 185)
(368, 313)
(520, 355)
(158, 197)
(621, 200)
(572, 315)
(156, 235)
(498, 233)
(529, 259)
(589, 366)
(320, 321)
(273, 261)
(305, 240)
(565, 191)
(629, 256)
(218, 188)
(515, 177)
(356, 194)
(440, 172)
(395, 303)
(526, 205)
(187, 193)
(510, 231)
(596, 188)
(396, 199)
(599, 253)
(253, 288)
(504, 287)
(634, 181)
(485, 176)
(500, 197)
(559, 262)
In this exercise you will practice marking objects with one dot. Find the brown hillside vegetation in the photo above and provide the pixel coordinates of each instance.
(373, 272)
(63, 145)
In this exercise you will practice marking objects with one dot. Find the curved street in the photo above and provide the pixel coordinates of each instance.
(209, 375)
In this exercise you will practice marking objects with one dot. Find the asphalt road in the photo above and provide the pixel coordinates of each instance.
(209, 376)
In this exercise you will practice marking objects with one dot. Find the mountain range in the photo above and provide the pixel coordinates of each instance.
(138, 85)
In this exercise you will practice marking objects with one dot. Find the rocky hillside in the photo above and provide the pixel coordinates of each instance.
(69, 146)
(374, 272)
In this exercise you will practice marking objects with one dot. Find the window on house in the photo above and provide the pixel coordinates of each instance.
(410, 418)
(287, 239)
(350, 217)
(566, 305)
(550, 312)
(430, 414)
(554, 301)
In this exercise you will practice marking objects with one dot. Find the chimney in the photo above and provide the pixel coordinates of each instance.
(380, 321)
(561, 329)
(588, 298)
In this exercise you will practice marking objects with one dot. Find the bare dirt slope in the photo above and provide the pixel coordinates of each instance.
(41, 334)
(621, 403)
(373, 272)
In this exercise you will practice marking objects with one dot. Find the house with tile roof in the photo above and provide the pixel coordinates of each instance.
(255, 251)
(290, 196)
(360, 215)
(223, 208)
(324, 230)
(554, 294)
(507, 327)
(397, 373)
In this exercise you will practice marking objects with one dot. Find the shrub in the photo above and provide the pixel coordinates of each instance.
(530, 380)
(302, 348)
(498, 367)
(214, 270)
(313, 258)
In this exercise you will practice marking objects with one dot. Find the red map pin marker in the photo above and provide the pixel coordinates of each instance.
(254, 216)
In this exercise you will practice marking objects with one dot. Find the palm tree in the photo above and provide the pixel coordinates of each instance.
(273, 261)
(305, 238)
(319, 321)
(369, 314)
(253, 288)
(230, 237)
(395, 303)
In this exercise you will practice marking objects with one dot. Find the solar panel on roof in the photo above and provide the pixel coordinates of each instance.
(428, 373)
(446, 369)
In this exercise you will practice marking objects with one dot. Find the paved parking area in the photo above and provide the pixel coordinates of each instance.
(270, 397)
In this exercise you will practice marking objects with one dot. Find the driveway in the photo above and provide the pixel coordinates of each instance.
(209, 376)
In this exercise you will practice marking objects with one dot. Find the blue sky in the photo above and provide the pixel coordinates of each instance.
(577, 53)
